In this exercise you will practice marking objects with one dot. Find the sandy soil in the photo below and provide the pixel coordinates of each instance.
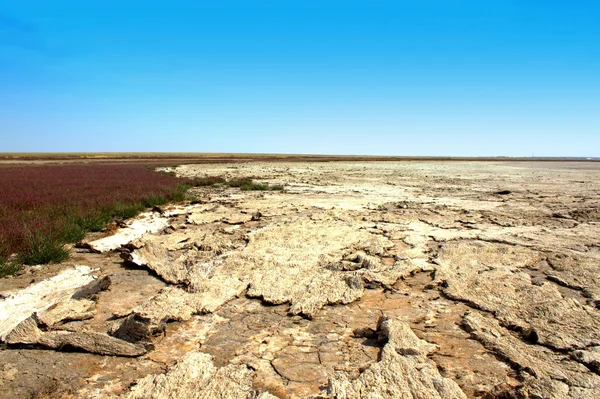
(360, 279)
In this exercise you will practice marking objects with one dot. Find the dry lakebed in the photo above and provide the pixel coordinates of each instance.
(415, 279)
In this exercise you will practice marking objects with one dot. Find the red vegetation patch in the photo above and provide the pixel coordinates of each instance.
(46, 199)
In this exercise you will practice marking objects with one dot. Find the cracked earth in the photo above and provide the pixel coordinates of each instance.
(359, 280)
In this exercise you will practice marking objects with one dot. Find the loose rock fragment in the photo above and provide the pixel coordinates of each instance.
(174, 303)
(88, 291)
(590, 357)
(218, 213)
(181, 257)
(20, 305)
(256, 216)
(148, 222)
(67, 310)
(403, 372)
(28, 333)
(195, 377)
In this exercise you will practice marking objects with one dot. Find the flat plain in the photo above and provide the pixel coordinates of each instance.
(395, 279)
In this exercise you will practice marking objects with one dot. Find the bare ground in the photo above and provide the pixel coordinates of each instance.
(360, 280)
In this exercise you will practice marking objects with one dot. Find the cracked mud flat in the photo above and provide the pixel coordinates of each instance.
(360, 280)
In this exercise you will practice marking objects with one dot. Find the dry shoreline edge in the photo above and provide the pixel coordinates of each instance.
(445, 279)
(46, 207)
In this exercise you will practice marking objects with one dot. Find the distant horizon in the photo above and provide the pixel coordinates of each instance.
(447, 78)
(234, 154)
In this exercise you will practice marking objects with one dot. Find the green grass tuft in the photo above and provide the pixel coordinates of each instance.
(243, 183)
(95, 221)
(178, 194)
(43, 248)
(254, 187)
(153, 200)
(71, 231)
(208, 181)
(8, 267)
(121, 210)
(240, 182)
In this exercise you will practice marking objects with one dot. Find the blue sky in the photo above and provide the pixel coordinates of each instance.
(471, 78)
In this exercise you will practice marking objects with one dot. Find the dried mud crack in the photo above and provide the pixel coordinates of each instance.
(359, 280)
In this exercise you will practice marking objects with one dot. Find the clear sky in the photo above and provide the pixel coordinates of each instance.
(422, 77)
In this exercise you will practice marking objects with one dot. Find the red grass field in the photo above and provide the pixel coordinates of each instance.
(62, 202)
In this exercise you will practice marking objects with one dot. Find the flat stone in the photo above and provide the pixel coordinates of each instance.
(17, 306)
